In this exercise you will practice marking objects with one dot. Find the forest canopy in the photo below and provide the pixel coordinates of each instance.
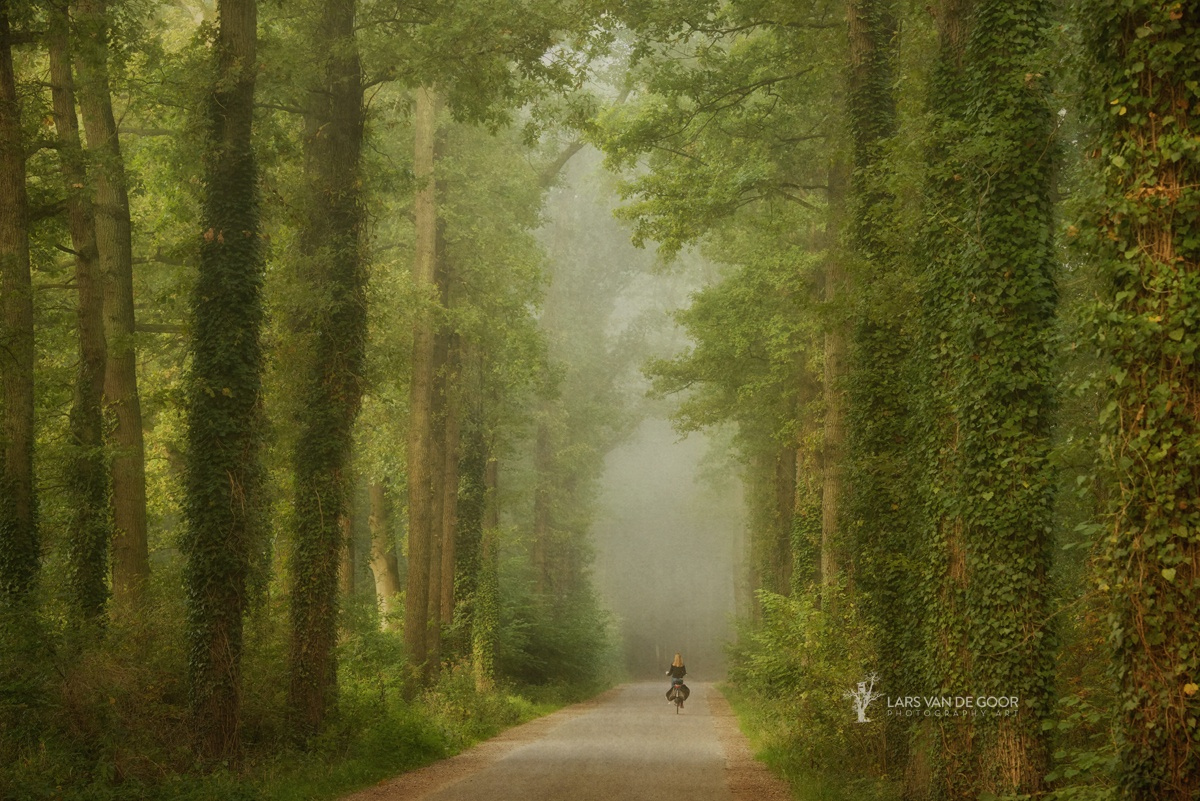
(313, 348)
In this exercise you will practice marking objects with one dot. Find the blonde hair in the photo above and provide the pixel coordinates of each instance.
(678, 661)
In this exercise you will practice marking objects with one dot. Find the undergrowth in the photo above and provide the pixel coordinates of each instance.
(103, 716)
(787, 681)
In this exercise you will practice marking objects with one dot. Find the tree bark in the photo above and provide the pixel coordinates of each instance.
(452, 433)
(878, 443)
(1144, 228)
(834, 434)
(114, 243)
(437, 475)
(19, 546)
(224, 393)
(989, 331)
(543, 499)
(785, 506)
(347, 583)
(486, 622)
(384, 564)
(88, 482)
(420, 428)
(335, 325)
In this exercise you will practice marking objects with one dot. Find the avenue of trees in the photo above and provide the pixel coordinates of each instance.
(955, 338)
(294, 460)
(308, 376)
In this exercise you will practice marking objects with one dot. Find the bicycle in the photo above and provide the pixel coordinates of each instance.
(678, 694)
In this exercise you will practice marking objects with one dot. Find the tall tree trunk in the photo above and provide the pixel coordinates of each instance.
(834, 434)
(1143, 72)
(1010, 301)
(114, 241)
(545, 477)
(19, 546)
(437, 460)
(384, 565)
(782, 559)
(452, 432)
(879, 485)
(997, 301)
(485, 625)
(944, 582)
(805, 458)
(87, 483)
(224, 392)
(420, 426)
(348, 557)
(336, 325)
(469, 504)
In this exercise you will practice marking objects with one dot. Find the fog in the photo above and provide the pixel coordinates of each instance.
(668, 535)
(666, 526)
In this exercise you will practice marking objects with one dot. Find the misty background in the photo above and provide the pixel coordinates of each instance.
(667, 521)
(668, 536)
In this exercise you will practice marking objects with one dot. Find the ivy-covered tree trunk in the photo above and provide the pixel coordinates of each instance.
(543, 496)
(934, 424)
(804, 521)
(1145, 80)
(993, 316)
(772, 486)
(385, 566)
(336, 324)
(87, 480)
(485, 624)
(782, 559)
(437, 460)
(450, 479)
(19, 545)
(224, 473)
(879, 487)
(114, 241)
(347, 558)
(420, 425)
(837, 286)
(468, 535)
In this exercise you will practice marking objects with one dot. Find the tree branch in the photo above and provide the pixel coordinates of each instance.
(551, 170)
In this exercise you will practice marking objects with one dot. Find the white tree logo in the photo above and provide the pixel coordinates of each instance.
(863, 697)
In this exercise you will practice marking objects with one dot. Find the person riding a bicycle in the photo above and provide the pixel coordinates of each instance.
(677, 671)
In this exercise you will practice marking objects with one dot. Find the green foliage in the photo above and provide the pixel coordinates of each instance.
(983, 412)
(1143, 88)
(790, 673)
(879, 471)
(546, 640)
(107, 719)
(735, 114)
(224, 412)
(334, 323)
(91, 526)
(753, 334)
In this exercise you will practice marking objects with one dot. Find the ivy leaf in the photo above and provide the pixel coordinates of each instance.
(1190, 688)
(1168, 573)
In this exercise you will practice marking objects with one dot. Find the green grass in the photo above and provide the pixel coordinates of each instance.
(773, 741)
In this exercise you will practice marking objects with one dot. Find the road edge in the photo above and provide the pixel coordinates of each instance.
(746, 777)
(441, 774)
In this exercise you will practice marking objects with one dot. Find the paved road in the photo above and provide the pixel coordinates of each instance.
(626, 744)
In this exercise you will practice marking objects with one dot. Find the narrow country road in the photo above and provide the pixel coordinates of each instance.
(625, 744)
